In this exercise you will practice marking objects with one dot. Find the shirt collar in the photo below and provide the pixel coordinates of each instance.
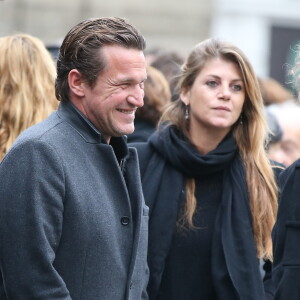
(88, 131)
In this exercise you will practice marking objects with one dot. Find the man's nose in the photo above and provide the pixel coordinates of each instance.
(136, 96)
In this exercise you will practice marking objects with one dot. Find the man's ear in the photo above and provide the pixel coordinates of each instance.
(185, 96)
(76, 83)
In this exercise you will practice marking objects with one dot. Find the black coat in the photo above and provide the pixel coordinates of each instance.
(142, 131)
(286, 237)
(159, 238)
(65, 220)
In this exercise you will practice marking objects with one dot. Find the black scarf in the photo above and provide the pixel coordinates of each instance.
(233, 249)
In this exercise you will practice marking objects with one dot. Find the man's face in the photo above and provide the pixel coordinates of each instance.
(119, 90)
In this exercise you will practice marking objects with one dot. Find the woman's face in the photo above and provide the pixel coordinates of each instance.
(216, 98)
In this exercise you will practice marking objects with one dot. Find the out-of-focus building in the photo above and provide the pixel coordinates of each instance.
(267, 31)
(174, 25)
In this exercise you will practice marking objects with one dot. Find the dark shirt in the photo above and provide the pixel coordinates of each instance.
(142, 131)
(187, 273)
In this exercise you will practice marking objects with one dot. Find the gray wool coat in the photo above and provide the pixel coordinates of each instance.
(73, 222)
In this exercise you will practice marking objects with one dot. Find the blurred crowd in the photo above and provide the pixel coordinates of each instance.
(28, 74)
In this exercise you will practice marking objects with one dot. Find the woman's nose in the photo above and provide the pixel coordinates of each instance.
(225, 92)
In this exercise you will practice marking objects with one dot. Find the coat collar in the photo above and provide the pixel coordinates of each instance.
(87, 130)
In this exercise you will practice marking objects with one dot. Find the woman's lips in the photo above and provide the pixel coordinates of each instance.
(222, 108)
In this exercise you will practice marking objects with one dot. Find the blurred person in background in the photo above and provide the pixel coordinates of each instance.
(209, 185)
(169, 63)
(273, 92)
(286, 232)
(151, 54)
(273, 143)
(157, 95)
(283, 115)
(288, 116)
(27, 94)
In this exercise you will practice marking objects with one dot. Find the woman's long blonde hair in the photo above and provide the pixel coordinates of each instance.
(250, 138)
(27, 79)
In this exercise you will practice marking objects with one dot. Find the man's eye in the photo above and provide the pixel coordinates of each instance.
(211, 83)
(142, 85)
(124, 85)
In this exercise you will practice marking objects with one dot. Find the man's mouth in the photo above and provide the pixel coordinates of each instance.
(126, 111)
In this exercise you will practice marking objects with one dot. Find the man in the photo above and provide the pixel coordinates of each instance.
(73, 222)
(287, 114)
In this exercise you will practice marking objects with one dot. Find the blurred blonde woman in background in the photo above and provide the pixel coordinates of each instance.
(27, 95)
(157, 96)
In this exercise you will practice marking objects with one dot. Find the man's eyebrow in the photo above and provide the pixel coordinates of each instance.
(129, 80)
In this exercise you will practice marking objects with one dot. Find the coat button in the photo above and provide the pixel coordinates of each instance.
(125, 221)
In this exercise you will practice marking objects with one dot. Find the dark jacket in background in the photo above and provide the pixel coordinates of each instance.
(142, 131)
(73, 223)
(286, 237)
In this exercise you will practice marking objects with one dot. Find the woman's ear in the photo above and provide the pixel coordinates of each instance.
(185, 96)
(76, 83)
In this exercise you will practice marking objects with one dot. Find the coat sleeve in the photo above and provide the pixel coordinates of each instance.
(267, 264)
(31, 218)
(286, 237)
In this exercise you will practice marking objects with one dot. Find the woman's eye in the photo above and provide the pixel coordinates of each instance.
(237, 87)
(211, 83)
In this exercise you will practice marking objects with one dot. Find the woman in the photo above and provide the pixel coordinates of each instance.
(209, 184)
(27, 95)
